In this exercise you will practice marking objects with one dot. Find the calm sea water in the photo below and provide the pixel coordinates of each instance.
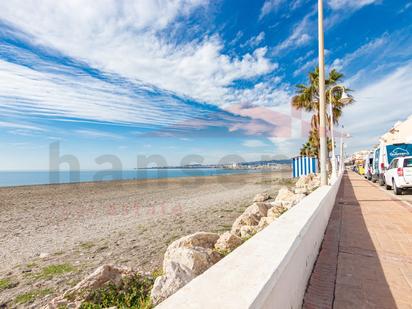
(22, 178)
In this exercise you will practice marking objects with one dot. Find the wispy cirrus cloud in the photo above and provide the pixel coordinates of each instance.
(269, 6)
(300, 36)
(252, 143)
(97, 134)
(384, 102)
(350, 4)
(134, 40)
(23, 126)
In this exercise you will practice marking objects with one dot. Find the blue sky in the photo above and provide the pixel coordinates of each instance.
(183, 77)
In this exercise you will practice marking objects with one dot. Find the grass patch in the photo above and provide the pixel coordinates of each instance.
(32, 295)
(87, 245)
(104, 247)
(5, 284)
(133, 292)
(31, 265)
(157, 273)
(55, 270)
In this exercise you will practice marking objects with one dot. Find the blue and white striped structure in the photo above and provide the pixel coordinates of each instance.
(304, 166)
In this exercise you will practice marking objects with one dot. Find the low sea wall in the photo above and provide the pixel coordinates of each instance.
(271, 270)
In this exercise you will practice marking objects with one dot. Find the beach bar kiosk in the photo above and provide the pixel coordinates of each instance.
(303, 165)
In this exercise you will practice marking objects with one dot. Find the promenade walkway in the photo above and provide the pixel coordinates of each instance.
(366, 256)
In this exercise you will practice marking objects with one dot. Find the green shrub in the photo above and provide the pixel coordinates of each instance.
(5, 284)
(133, 292)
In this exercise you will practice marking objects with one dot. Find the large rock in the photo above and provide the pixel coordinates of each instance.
(166, 285)
(102, 275)
(247, 231)
(193, 260)
(261, 197)
(245, 219)
(276, 211)
(185, 259)
(228, 242)
(257, 209)
(250, 216)
(287, 198)
(304, 181)
(199, 239)
(306, 184)
(264, 222)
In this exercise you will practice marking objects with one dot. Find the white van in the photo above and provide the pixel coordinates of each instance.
(398, 175)
(368, 166)
(383, 156)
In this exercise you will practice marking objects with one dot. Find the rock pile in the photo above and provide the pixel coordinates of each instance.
(74, 297)
(228, 242)
(191, 255)
(185, 259)
(286, 198)
(307, 184)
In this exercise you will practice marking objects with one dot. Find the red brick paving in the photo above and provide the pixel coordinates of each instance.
(366, 256)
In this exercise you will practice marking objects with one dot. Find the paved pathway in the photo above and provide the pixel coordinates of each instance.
(366, 255)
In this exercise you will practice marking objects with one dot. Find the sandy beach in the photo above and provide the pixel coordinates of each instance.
(77, 227)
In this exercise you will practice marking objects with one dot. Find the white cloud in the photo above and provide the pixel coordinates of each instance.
(97, 134)
(299, 36)
(269, 94)
(308, 66)
(255, 40)
(378, 106)
(55, 95)
(254, 143)
(269, 6)
(366, 49)
(133, 39)
(350, 4)
(405, 8)
(22, 126)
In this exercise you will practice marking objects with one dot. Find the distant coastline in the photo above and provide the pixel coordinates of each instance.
(30, 178)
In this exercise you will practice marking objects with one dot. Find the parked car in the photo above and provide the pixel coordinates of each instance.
(384, 155)
(361, 169)
(368, 166)
(375, 166)
(398, 175)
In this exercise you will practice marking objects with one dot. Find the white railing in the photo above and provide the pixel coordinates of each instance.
(271, 270)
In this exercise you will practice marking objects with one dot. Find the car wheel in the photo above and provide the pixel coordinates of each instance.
(388, 187)
(396, 190)
(381, 182)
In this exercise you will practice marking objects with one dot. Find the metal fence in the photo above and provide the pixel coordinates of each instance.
(304, 165)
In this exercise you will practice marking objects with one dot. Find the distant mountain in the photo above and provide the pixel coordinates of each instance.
(284, 161)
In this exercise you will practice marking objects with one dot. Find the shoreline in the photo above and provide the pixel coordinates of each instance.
(114, 181)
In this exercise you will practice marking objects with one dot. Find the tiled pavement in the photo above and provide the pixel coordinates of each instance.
(366, 255)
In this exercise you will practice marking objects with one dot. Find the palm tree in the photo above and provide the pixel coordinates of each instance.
(307, 99)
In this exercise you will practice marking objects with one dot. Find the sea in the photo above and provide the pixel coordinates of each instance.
(25, 178)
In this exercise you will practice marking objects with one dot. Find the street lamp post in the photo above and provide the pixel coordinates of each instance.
(344, 99)
(322, 108)
(342, 163)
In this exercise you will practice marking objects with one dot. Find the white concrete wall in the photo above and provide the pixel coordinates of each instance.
(271, 270)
